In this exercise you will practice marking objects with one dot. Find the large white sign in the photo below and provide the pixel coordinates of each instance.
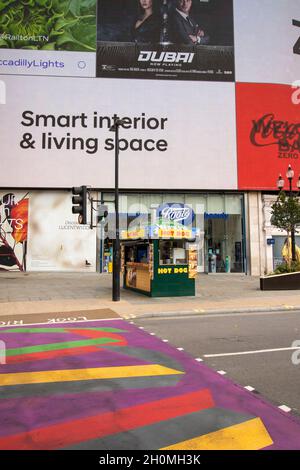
(176, 135)
(267, 41)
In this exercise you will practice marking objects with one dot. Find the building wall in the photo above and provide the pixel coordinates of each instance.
(217, 122)
(254, 235)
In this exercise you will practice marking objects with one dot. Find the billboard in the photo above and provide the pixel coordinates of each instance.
(267, 41)
(56, 37)
(166, 39)
(57, 134)
(268, 134)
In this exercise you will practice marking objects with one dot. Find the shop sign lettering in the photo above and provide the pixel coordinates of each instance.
(171, 233)
(173, 270)
(169, 57)
(176, 212)
(222, 215)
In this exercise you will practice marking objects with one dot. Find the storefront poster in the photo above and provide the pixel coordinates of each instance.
(166, 39)
(193, 260)
(59, 25)
(267, 41)
(268, 130)
(13, 231)
(38, 232)
(131, 277)
(56, 242)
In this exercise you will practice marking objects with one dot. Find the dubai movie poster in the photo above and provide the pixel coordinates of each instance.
(166, 39)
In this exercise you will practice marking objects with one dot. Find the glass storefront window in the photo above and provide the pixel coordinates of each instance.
(219, 221)
(224, 234)
(215, 203)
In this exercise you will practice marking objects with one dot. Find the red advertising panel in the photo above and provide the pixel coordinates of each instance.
(268, 134)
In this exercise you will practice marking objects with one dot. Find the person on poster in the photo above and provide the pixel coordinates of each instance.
(146, 28)
(184, 28)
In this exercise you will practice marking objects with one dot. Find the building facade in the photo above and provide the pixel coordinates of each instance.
(209, 125)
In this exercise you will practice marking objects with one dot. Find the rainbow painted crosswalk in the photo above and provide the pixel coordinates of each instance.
(109, 385)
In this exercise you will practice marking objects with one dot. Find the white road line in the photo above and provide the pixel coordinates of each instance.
(285, 408)
(251, 352)
(188, 315)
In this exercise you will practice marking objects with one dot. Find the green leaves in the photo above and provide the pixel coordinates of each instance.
(4, 4)
(283, 268)
(285, 212)
(48, 24)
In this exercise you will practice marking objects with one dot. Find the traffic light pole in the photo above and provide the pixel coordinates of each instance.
(116, 242)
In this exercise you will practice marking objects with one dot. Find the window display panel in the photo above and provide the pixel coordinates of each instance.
(278, 249)
(172, 252)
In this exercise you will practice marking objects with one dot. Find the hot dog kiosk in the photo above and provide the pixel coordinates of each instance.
(159, 261)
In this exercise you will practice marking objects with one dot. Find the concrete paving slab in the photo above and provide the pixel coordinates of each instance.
(66, 292)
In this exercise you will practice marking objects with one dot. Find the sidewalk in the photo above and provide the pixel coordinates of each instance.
(28, 293)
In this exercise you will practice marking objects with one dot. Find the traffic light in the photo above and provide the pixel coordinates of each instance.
(102, 212)
(79, 202)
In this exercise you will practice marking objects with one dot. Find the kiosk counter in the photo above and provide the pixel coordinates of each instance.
(159, 268)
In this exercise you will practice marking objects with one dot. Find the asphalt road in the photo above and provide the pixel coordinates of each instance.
(271, 373)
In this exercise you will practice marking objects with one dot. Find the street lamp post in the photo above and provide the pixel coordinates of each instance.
(280, 184)
(116, 241)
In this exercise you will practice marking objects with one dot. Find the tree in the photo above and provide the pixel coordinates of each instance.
(286, 213)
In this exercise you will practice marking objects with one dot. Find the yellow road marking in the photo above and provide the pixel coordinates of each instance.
(86, 374)
(251, 435)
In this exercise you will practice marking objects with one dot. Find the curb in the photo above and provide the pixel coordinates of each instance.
(202, 312)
